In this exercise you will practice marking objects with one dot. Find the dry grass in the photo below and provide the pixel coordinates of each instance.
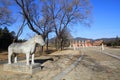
(4, 54)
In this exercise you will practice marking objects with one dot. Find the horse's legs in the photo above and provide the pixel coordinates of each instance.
(33, 58)
(9, 57)
(27, 58)
(15, 59)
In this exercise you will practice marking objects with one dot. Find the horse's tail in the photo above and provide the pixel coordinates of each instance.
(15, 40)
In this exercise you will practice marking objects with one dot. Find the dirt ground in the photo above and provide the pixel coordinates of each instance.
(96, 66)
(52, 65)
(93, 66)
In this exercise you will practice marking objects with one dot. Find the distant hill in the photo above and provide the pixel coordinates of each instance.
(81, 39)
(107, 41)
(104, 39)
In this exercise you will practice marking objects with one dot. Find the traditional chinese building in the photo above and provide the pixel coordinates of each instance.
(85, 43)
(88, 43)
(97, 43)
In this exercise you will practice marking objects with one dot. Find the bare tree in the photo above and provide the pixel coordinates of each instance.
(19, 31)
(44, 15)
(36, 20)
(5, 13)
(28, 12)
(65, 38)
(67, 12)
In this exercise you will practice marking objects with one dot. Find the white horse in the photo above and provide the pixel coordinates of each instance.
(27, 47)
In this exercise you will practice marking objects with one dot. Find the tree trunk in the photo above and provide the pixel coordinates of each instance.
(47, 44)
(57, 43)
(61, 45)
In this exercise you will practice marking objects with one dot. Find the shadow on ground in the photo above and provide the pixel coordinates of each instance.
(41, 61)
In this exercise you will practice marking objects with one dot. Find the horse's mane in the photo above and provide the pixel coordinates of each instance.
(31, 40)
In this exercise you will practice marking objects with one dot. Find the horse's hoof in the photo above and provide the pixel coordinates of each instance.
(15, 62)
(9, 63)
(27, 64)
(32, 63)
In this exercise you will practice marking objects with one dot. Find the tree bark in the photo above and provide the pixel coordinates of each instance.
(47, 44)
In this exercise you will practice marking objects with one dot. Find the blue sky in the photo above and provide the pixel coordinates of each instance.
(106, 20)
(105, 17)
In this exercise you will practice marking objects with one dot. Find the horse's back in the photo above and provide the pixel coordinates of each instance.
(15, 47)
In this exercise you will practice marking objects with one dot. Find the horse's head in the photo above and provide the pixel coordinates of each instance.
(39, 40)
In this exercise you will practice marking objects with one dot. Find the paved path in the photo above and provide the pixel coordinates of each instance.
(114, 56)
(107, 53)
(63, 73)
(96, 65)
